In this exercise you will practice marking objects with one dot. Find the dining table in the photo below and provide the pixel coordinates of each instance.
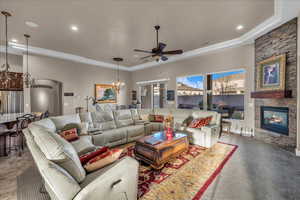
(7, 122)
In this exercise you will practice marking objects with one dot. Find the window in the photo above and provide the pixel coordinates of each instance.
(227, 95)
(190, 92)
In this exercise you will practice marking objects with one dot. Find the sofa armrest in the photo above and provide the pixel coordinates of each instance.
(213, 130)
(120, 181)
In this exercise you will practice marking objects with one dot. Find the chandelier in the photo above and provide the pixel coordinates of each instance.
(27, 78)
(118, 84)
(5, 75)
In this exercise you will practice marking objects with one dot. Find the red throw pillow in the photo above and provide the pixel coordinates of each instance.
(200, 122)
(102, 160)
(70, 135)
(87, 157)
(159, 118)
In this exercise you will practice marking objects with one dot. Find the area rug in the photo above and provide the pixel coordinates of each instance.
(185, 177)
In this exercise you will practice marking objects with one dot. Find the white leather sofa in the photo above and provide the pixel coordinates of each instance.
(58, 160)
(65, 178)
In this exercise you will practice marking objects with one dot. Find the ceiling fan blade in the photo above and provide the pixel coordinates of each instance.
(173, 52)
(161, 46)
(144, 51)
(164, 58)
(146, 57)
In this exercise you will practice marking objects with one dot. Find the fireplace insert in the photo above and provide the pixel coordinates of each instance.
(275, 119)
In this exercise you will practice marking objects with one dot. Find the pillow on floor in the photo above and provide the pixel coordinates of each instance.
(87, 157)
(103, 160)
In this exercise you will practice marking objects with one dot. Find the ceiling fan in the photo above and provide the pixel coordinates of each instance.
(158, 52)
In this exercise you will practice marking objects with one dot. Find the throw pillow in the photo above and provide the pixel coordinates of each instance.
(71, 126)
(151, 118)
(200, 122)
(87, 157)
(69, 135)
(103, 160)
(187, 121)
(156, 118)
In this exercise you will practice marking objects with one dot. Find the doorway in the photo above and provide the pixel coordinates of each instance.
(153, 95)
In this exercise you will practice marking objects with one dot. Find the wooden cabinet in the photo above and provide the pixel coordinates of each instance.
(15, 84)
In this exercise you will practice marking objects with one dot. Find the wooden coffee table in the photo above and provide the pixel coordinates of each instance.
(158, 154)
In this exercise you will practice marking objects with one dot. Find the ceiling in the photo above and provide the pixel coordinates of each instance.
(110, 28)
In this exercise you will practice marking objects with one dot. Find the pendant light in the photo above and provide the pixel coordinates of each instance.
(5, 76)
(118, 84)
(27, 78)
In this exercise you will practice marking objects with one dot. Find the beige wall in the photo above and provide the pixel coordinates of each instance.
(225, 60)
(75, 77)
(15, 62)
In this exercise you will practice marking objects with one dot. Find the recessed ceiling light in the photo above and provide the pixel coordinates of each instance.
(239, 27)
(31, 24)
(136, 56)
(74, 28)
(14, 40)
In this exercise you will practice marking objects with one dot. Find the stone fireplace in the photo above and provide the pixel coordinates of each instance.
(275, 119)
(268, 111)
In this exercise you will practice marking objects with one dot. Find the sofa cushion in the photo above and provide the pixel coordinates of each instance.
(58, 150)
(123, 118)
(46, 123)
(114, 135)
(136, 130)
(135, 115)
(83, 145)
(87, 117)
(144, 114)
(103, 120)
(61, 121)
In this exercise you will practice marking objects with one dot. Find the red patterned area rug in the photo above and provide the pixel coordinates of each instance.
(185, 177)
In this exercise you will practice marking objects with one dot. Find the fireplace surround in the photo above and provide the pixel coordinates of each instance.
(275, 119)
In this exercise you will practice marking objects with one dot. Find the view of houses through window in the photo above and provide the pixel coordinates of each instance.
(190, 92)
(225, 93)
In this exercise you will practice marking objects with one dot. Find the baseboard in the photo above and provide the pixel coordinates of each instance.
(297, 152)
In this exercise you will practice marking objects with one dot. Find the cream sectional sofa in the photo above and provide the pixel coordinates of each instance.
(58, 160)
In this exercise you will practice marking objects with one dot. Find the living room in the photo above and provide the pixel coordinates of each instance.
(149, 100)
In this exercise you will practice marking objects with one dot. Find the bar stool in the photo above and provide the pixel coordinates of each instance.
(4, 132)
(16, 135)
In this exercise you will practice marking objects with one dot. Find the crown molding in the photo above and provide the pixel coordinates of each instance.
(284, 10)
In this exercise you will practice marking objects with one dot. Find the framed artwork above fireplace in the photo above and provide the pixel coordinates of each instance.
(271, 74)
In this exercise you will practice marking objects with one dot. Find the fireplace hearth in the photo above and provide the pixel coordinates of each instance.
(275, 119)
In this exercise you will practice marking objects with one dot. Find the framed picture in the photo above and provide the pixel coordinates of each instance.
(105, 93)
(271, 73)
(170, 95)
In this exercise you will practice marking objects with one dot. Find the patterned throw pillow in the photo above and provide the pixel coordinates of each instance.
(103, 160)
(200, 122)
(71, 126)
(69, 135)
(87, 157)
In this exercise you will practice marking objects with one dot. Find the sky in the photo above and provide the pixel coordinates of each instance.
(197, 81)
(192, 81)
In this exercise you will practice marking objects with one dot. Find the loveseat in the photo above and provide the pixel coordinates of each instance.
(58, 160)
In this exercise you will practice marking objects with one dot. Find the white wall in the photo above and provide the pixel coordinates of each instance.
(225, 60)
(75, 77)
